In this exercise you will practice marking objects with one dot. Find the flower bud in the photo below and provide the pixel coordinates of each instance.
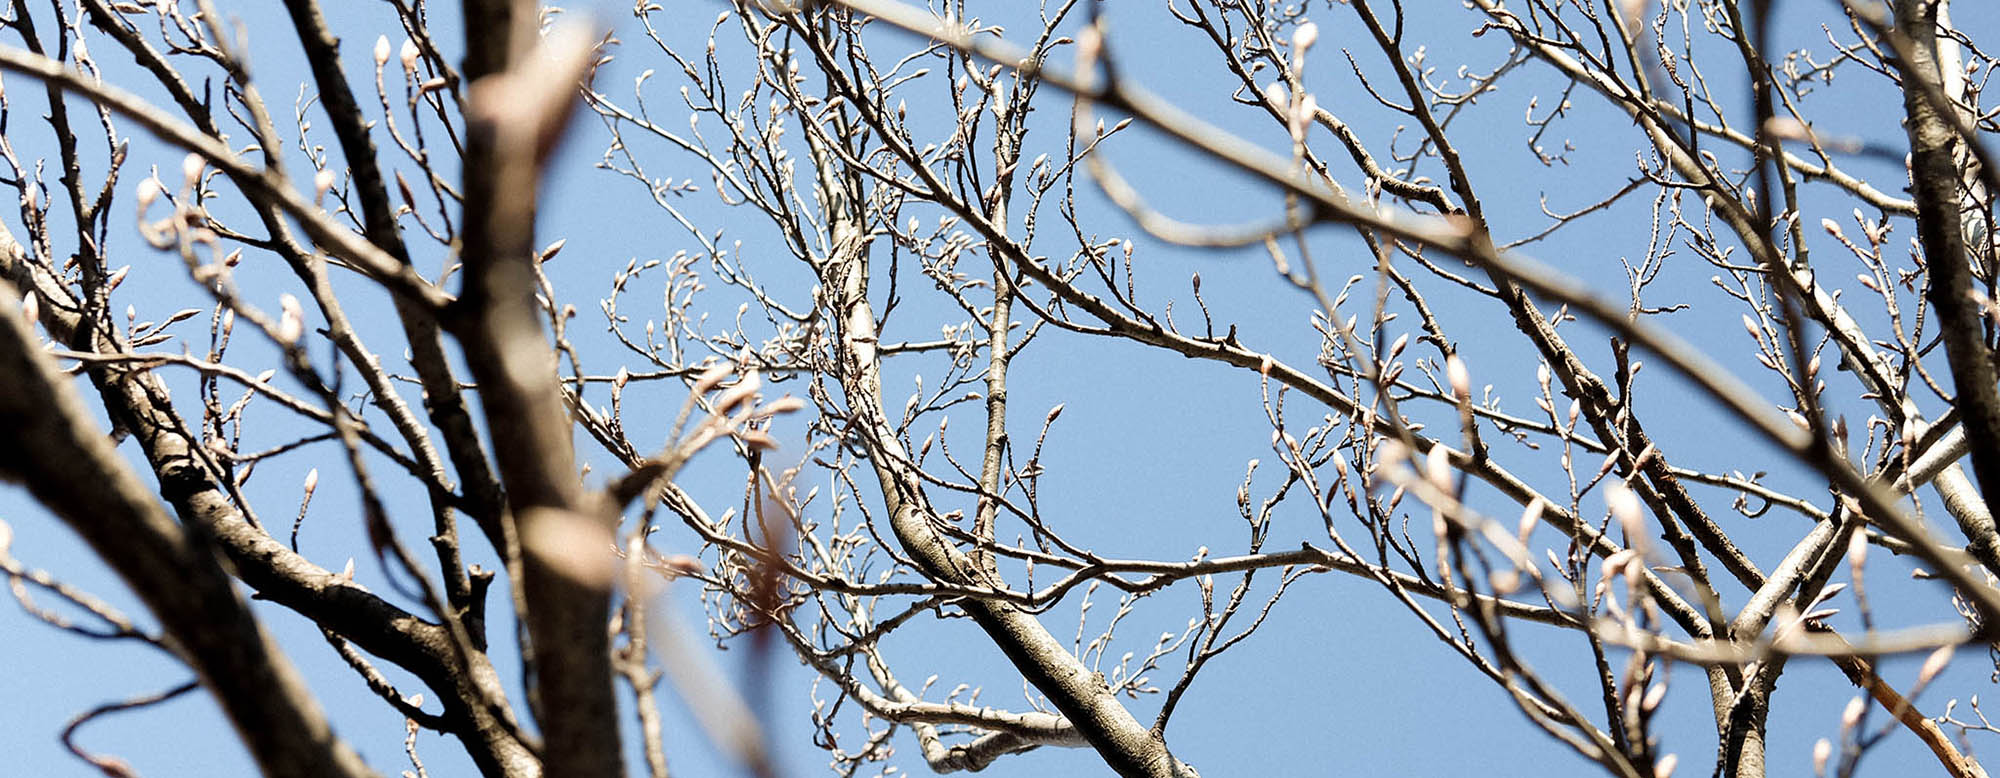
(191, 168)
(149, 190)
(1305, 36)
(291, 323)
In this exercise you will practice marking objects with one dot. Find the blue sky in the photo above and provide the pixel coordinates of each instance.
(1145, 461)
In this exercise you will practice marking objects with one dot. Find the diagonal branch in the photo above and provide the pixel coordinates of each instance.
(172, 570)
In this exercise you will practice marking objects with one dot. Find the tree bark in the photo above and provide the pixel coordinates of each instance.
(71, 467)
(511, 119)
(1935, 175)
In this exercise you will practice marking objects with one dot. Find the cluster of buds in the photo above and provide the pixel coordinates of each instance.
(187, 226)
(737, 411)
(1298, 109)
(410, 56)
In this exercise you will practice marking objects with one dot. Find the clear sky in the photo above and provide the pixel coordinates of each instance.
(1341, 681)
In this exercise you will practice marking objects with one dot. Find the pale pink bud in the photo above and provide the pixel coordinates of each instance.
(1461, 382)
(786, 404)
(291, 323)
(712, 377)
(381, 50)
(1308, 108)
(322, 183)
(1935, 663)
(1305, 36)
(1437, 464)
(1616, 563)
(1629, 511)
(743, 390)
(191, 167)
(149, 190)
(1392, 451)
(1277, 95)
(1530, 516)
(758, 440)
(1653, 697)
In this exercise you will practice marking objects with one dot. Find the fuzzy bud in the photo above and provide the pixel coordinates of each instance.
(1850, 717)
(191, 167)
(1305, 36)
(1461, 381)
(291, 323)
(1530, 516)
(322, 183)
(1935, 663)
(1277, 95)
(149, 191)
(1626, 507)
